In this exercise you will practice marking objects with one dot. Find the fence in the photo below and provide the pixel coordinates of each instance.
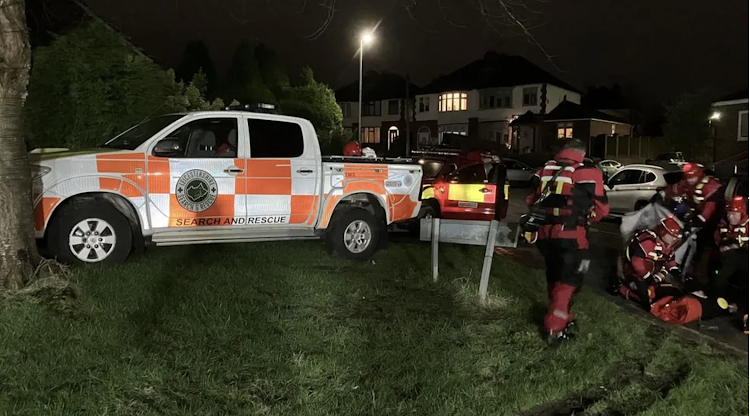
(634, 149)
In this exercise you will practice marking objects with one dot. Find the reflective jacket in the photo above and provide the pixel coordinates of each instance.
(728, 235)
(703, 197)
(576, 197)
(646, 256)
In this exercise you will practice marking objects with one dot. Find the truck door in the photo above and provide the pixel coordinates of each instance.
(470, 195)
(283, 174)
(193, 175)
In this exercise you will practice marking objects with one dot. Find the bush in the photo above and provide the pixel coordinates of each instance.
(89, 85)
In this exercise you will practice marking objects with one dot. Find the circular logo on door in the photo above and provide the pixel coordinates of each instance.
(196, 190)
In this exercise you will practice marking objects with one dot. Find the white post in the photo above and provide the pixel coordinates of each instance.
(435, 239)
(488, 252)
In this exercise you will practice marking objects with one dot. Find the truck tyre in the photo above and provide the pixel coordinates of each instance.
(90, 231)
(354, 234)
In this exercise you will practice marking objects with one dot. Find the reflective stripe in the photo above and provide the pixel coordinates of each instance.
(559, 178)
(556, 211)
(559, 188)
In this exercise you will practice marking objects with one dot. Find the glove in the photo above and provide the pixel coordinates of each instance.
(675, 276)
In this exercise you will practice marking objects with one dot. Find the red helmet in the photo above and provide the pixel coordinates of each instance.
(737, 204)
(669, 227)
(692, 170)
(352, 149)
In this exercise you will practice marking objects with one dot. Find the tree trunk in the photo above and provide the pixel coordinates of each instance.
(18, 254)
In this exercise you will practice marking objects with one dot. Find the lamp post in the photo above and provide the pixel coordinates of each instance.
(364, 39)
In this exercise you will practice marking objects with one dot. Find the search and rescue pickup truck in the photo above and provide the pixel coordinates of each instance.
(215, 177)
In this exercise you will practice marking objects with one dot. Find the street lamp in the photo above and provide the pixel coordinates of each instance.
(365, 39)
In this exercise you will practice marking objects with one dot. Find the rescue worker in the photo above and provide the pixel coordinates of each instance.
(649, 268)
(732, 239)
(704, 198)
(700, 190)
(572, 200)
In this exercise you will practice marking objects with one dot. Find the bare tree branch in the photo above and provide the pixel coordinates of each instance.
(527, 32)
(330, 6)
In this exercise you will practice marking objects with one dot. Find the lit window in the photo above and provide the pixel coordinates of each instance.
(564, 130)
(370, 135)
(460, 129)
(452, 101)
(530, 96)
(742, 128)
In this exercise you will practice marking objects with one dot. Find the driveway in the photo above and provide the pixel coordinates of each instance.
(605, 242)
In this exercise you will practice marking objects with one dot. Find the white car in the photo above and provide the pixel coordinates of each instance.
(609, 167)
(518, 173)
(633, 186)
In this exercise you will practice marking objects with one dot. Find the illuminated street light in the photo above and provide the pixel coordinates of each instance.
(366, 38)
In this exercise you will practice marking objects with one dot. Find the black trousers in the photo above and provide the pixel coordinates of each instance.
(564, 261)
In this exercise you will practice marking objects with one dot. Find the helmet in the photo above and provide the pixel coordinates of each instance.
(352, 149)
(692, 170)
(669, 230)
(737, 204)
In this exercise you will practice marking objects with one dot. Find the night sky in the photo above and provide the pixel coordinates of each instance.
(655, 49)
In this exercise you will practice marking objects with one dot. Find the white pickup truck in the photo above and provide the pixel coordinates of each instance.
(215, 177)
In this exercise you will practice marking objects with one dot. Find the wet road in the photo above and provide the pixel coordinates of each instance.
(605, 244)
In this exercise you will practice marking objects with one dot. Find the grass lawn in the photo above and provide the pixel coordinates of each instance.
(285, 329)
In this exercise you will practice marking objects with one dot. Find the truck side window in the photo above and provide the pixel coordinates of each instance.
(275, 139)
(207, 138)
(472, 174)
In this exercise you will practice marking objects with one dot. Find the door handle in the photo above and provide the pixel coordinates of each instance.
(485, 190)
(233, 170)
(304, 171)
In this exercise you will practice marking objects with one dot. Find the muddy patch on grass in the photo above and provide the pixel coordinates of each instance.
(603, 400)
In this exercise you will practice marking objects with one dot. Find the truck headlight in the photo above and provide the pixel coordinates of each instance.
(39, 171)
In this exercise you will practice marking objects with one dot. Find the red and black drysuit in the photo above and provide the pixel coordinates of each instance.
(706, 202)
(576, 198)
(646, 267)
(732, 279)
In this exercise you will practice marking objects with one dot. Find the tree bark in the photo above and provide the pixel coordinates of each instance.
(18, 253)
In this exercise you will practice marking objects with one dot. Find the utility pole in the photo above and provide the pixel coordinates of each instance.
(407, 102)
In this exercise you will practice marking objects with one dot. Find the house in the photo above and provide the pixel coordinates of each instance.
(566, 121)
(481, 99)
(729, 129)
(387, 101)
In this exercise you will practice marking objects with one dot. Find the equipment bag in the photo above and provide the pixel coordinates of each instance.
(537, 215)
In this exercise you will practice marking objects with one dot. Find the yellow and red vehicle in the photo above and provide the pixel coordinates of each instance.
(463, 185)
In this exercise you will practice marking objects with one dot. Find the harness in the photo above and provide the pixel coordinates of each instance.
(656, 255)
(698, 197)
(558, 197)
(736, 233)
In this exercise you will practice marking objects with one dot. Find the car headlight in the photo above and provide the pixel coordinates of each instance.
(39, 171)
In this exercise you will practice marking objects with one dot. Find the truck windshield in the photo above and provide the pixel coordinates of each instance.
(133, 137)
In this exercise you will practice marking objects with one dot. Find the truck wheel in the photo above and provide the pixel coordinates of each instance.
(355, 234)
(90, 231)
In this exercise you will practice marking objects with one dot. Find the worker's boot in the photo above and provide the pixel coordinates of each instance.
(556, 338)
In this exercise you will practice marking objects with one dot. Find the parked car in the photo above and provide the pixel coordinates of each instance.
(463, 185)
(632, 186)
(216, 177)
(519, 173)
(668, 160)
(608, 167)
